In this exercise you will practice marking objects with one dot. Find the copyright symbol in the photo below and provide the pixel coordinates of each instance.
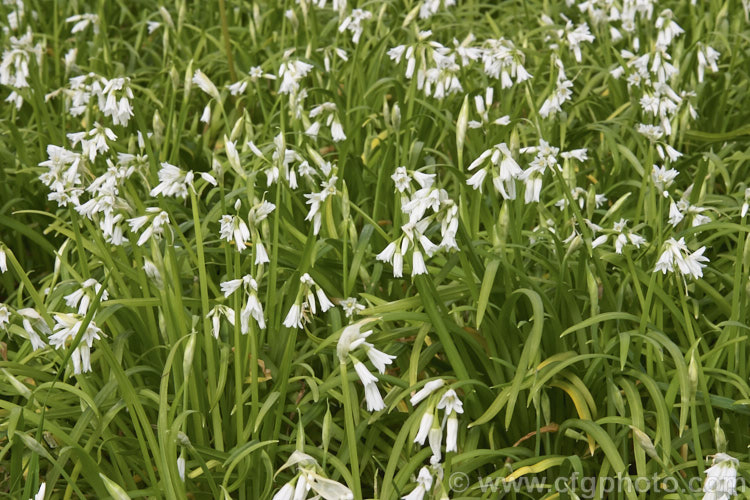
(458, 482)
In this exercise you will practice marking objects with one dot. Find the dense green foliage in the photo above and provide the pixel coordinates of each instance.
(589, 311)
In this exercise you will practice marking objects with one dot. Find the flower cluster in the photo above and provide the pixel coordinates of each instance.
(352, 340)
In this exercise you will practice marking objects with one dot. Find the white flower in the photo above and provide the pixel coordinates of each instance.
(677, 252)
(285, 493)
(337, 131)
(663, 178)
(425, 424)
(206, 116)
(308, 478)
(34, 338)
(378, 358)
(350, 339)
(353, 23)
(503, 168)
(291, 72)
(435, 439)
(231, 286)
(561, 94)
(418, 266)
(3, 261)
(430, 7)
(252, 307)
(234, 230)
(425, 391)
(215, 315)
(42, 490)
(82, 22)
(675, 216)
(4, 315)
(205, 84)
(173, 181)
(351, 307)
(66, 329)
(424, 484)
(372, 395)
(294, 317)
(325, 303)
(158, 218)
(721, 478)
(451, 433)
(181, 466)
(625, 235)
(450, 402)
(707, 57)
(81, 298)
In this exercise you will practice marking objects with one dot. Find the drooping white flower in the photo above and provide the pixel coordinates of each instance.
(3, 261)
(290, 73)
(624, 236)
(707, 58)
(66, 329)
(668, 29)
(158, 220)
(677, 252)
(424, 484)
(309, 477)
(81, 298)
(4, 315)
(42, 491)
(215, 315)
(353, 23)
(206, 116)
(114, 100)
(173, 181)
(561, 94)
(32, 322)
(498, 162)
(430, 7)
(721, 478)
(372, 395)
(501, 60)
(82, 21)
(425, 391)
(251, 308)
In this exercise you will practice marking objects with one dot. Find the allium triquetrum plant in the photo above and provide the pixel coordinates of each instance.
(359, 249)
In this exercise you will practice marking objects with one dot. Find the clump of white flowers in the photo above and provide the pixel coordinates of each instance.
(173, 181)
(235, 230)
(414, 237)
(14, 67)
(310, 477)
(352, 340)
(66, 329)
(353, 23)
(81, 297)
(497, 163)
(252, 306)
(156, 219)
(305, 305)
(677, 253)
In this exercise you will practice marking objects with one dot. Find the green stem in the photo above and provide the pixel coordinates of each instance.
(351, 435)
(208, 341)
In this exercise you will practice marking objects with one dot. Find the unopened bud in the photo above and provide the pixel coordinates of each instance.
(644, 442)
